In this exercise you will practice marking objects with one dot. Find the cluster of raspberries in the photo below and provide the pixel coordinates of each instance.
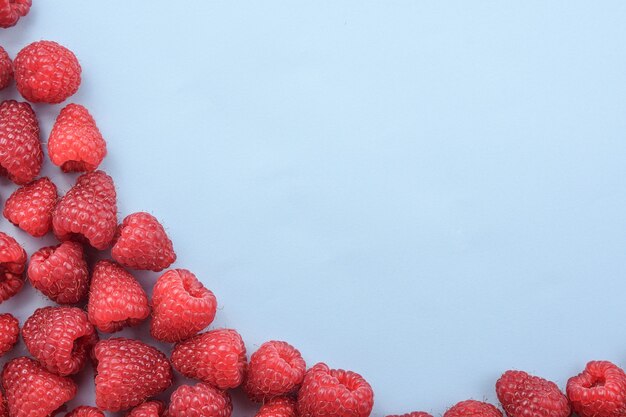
(130, 373)
(97, 298)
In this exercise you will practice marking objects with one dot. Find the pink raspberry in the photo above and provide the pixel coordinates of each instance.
(6, 69)
(182, 306)
(12, 265)
(200, 400)
(12, 10)
(30, 207)
(330, 392)
(46, 72)
(275, 369)
(9, 333)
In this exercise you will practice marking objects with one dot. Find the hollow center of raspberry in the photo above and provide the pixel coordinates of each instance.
(598, 382)
(193, 289)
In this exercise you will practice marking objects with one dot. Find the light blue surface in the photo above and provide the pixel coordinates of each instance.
(427, 192)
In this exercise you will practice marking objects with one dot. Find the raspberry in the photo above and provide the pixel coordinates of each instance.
(143, 244)
(6, 69)
(32, 391)
(30, 207)
(277, 368)
(84, 411)
(20, 150)
(523, 395)
(278, 407)
(12, 265)
(331, 392)
(116, 299)
(472, 408)
(200, 400)
(12, 10)
(182, 306)
(413, 414)
(88, 212)
(129, 372)
(9, 333)
(60, 338)
(148, 409)
(46, 72)
(598, 391)
(60, 272)
(217, 357)
(75, 143)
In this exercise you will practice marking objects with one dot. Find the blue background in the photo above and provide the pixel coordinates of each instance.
(426, 192)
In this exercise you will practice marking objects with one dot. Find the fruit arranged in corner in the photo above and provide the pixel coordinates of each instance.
(129, 373)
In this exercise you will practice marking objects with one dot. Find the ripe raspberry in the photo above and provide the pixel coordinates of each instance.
(60, 272)
(413, 414)
(30, 207)
(148, 409)
(598, 391)
(143, 244)
(217, 357)
(75, 143)
(331, 392)
(12, 265)
(129, 372)
(182, 306)
(84, 411)
(60, 338)
(278, 407)
(9, 333)
(12, 10)
(6, 68)
(20, 150)
(523, 395)
(200, 400)
(88, 212)
(116, 299)
(32, 391)
(472, 408)
(46, 72)
(277, 368)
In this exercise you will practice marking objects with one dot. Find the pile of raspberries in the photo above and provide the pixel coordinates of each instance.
(103, 298)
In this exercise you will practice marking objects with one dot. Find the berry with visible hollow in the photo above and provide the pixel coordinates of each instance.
(182, 306)
(598, 391)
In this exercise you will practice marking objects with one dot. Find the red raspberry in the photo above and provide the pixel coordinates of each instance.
(46, 72)
(75, 143)
(20, 150)
(182, 306)
(330, 392)
(472, 408)
(413, 414)
(9, 333)
(598, 391)
(523, 395)
(88, 212)
(30, 207)
(143, 244)
(6, 69)
(12, 265)
(84, 411)
(32, 391)
(129, 372)
(278, 407)
(217, 357)
(148, 409)
(276, 369)
(12, 10)
(60, 338)
(200, 400)
(60, 272)
(116, 299)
